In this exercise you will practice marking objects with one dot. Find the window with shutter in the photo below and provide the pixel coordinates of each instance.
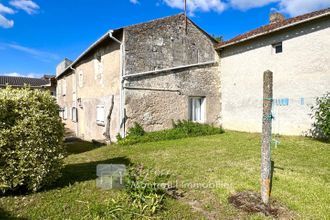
(100, 114)
(74, 114)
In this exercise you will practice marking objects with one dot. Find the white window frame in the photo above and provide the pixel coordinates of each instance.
(200, 116)
(74, 114)
(100, 115)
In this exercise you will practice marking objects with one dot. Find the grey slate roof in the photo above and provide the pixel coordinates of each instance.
(20, 81)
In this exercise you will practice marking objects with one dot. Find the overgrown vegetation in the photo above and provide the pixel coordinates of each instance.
(31, 134)
(181, 129)
(143, 199)
(321, 115)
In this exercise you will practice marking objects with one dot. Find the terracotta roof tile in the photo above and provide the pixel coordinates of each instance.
(272, 27)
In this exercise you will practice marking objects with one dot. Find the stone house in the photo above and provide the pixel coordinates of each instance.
(170, 69)
(150, 73)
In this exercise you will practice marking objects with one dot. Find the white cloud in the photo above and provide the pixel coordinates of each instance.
(134, 1)
(28, 6)
(298, 7)
(248, 4)
(289, 7)
(6, 23)
(29, 75)
(38, 54)
(198, 5)
(5, 10)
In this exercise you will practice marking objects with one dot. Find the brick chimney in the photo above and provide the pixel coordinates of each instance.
(276, 17)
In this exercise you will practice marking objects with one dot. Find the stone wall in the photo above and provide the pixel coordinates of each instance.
(153, 100)
(164, 43)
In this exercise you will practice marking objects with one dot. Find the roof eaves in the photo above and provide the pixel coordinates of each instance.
(271, 31)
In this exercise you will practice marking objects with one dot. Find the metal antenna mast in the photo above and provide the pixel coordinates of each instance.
(185, 14)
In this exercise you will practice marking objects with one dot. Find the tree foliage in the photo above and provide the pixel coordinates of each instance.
(31, 139)
(321, 115)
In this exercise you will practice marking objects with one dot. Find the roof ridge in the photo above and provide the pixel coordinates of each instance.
(267, 28)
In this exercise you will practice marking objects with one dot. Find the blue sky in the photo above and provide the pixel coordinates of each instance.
(35, 35)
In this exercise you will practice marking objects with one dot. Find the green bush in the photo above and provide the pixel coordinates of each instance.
(31, 139)
(181, 129)
(321, 115)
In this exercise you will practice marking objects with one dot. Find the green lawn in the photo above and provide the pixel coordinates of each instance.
(230, 162)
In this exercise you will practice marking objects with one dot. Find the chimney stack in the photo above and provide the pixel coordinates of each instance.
(276, 17)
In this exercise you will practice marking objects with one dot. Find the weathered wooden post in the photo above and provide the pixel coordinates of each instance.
(266, 136)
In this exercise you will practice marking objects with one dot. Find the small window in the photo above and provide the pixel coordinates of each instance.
(81, 78)
(100, 116)
(74, 114)
(197, 109)
(98, 66)
(278, 48)
(61, 113)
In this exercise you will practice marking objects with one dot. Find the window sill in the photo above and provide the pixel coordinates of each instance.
(100, 124)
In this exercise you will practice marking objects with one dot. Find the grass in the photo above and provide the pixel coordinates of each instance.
(230, 160)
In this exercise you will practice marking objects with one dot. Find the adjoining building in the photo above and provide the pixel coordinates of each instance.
(170, 69)
(297, 51)
(47, 82)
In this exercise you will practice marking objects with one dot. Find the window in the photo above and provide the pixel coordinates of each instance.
(74, 85)
(98, 65)
(278, 48)
(100, 115)
(197, 109)
(74, 114)
(61, 113)
(81, 78)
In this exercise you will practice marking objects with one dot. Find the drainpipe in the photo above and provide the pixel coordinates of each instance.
(75, 102)
(121, 93)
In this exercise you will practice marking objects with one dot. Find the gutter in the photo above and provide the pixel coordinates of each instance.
(169, 69)
(153, 89)
(121, 92)
(271, 31)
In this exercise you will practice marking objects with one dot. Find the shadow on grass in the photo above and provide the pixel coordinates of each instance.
(6, 215)
(73, 173)
(78, 146)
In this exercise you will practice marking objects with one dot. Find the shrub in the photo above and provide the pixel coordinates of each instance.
(181, 129)
(31, 135)
(321, 115)
(136, 130)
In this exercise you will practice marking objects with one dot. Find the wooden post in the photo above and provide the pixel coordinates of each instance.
(266, 136)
